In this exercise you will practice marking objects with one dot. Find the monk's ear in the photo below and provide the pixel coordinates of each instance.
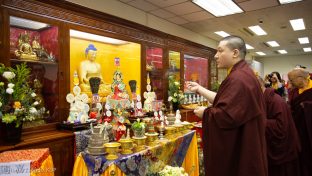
(235, 53)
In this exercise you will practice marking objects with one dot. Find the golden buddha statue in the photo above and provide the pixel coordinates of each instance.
(24, 48)
(88, 69)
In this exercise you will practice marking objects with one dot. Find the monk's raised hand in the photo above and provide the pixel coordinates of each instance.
(192, 86)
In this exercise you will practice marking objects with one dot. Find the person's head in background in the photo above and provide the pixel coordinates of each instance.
(299, 78)
(275, 77)
(230, 50)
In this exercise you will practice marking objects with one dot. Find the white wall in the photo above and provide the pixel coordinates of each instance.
(283, 64)
(130, 13)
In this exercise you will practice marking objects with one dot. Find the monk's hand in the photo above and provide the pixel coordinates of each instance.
(199, 111)
(193, 86)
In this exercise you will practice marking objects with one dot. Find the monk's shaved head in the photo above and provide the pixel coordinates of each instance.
(299, 72)
(298, 77)
(236, 42)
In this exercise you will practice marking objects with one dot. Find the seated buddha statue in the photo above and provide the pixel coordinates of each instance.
(88, 69)
(24, 48)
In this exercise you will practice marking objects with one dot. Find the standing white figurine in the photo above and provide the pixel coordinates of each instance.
(178, 118)
(190, 99)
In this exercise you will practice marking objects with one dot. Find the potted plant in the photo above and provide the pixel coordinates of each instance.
(17, 101)
(138, 128)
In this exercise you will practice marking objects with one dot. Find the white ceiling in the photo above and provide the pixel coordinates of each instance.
(273, 16)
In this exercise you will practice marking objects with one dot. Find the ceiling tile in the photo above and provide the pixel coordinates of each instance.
(165, 3)
(257, 4)
(143, 5)
(177, 20)
(183, 8)
(162, 13)
(198, 16)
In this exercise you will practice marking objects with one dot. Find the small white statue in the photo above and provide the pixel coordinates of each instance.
(178, 118)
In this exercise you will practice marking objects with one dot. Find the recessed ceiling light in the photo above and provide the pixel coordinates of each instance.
(307, 49)
(288, 1)
(257, 30)
(25, 23)
(219, 8)
(273, 43)
(303, 40)
(297, 24)
(249, 47)
(94, 37)
(222, 33)
(260, 53)
(282, 51)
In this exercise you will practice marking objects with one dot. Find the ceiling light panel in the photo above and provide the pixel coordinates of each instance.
(249, 47)
(308, 49)
(288, 1)
(303, 40)
(273, 43)
(297, 24)
(260, 53)
(282, 51)
(219, 7)
(222, 33)
(257, 30)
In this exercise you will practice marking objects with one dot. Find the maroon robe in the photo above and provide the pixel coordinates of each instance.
(234, 127)
(301, 106)
(281, 135)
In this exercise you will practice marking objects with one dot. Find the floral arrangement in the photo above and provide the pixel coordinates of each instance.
(17, 101)
(138, 125)
(173, 171)
(174, 92)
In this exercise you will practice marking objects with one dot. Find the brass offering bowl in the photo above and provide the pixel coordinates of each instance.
(140, 143)
(112, 150)
(126, 146)
(151, 138)
(170, 132)
(179, 129)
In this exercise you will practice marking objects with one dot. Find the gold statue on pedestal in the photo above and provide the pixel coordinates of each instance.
(88, 69)
(24, 48)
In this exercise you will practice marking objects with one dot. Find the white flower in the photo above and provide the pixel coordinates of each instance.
(8, 75)
(9, 90)
(11, 85)
(0, 104)
(33, 110)
(33, 94)
(175, 94)
(36, 103)
(169, 98)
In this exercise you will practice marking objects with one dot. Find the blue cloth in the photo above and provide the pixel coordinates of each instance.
(81, 140)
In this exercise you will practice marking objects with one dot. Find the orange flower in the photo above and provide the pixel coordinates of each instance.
(17, 105)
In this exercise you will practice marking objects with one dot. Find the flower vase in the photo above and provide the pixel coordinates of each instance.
(13, 134)
(175, 107)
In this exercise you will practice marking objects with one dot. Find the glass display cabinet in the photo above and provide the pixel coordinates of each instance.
(174, 64)
(196, 70)
(110, 55)
(37, 44)
(154, 68)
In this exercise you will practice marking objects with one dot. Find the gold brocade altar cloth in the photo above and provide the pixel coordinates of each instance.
(41, 161)
(181, 151)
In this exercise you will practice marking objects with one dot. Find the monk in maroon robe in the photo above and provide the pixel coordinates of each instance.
(234, 127)
(300, 99)
(281, 135)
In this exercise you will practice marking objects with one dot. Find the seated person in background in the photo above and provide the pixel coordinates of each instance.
(283, 144)
(300, 99)
(88, 69)
(276, 83)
